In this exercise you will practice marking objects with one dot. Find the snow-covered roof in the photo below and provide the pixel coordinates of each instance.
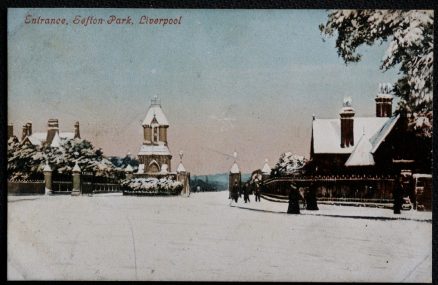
(129, 168)
(327, 133)
(155, 111)
(361, 155)
(160, 149)
(180, 168)
(368, 134)
(266, 168)
(422, 175)
(67, 135)
(380, 136)
(35, 141)
(234, 168)
(384, 96)
(56, 142)
(38, 138)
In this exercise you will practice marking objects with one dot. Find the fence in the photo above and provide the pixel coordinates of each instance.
(62, 187)
(26, 187)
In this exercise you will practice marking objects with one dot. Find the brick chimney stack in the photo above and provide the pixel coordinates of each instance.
(52, 129)
(77, 132)
(24, 133)
(10, 130)
(384, 100)
(347, 123)
(29, 128)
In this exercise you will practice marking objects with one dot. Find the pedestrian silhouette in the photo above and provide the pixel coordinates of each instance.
(294, 197)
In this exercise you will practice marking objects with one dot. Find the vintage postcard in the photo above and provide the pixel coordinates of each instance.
(220, 145)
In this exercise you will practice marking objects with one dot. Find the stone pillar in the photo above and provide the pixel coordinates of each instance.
(183, 176)
(266, 170)
(234, 181)
(76, 191)
(128, 172)
(48, 179)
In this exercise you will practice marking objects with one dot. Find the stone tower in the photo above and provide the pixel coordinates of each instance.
(154, 153)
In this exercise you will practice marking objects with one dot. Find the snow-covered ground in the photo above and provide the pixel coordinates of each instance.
(114, 237)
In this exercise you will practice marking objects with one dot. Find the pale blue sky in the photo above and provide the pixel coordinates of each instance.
(244, 80)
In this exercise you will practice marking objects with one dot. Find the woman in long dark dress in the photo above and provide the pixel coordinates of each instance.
(294, 198)
(246, 193)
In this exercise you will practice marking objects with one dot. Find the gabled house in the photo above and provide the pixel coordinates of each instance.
(52, 137)
(363, 145)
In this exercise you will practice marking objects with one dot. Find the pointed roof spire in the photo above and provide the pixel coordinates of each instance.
(180, 167)
(235, 167)
(76, 168)
(47, 167)
(155, 101)
(155, 113)
(56, 142)
(266, 168)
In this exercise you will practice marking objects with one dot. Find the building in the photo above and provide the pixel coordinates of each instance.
(52, 137)
(364, 155)
(154, 154)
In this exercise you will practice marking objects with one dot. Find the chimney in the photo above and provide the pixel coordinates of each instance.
(52, 129)
(24, 133)
(384, 100)
(77, 133)
(10, 130)
(29, 128)
(347, 123)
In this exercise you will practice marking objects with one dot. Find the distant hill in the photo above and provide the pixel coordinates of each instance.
(213, 182)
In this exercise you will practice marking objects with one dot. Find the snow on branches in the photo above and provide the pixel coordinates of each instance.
(410, 37)
(289, 163)
(153, 186)
(26, 160)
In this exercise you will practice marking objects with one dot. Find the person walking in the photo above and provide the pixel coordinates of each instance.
(235, 193)
(257, 193)
(246, 192)
(311, 202)
(294, 204)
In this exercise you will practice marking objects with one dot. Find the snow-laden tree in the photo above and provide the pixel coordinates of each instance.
(23, 160)
(122, 162)
(289, 164)
(26, 160)
(410, 37)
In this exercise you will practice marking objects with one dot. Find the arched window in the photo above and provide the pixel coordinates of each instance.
(153, 167)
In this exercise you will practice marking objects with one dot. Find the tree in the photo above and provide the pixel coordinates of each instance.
(289, 164)
(410, 37)
(26, 160)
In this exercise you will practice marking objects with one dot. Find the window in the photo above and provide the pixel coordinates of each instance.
(155, 134)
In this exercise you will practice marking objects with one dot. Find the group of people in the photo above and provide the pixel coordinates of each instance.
(237, 191)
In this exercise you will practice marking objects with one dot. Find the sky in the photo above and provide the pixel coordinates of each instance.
(229, 80)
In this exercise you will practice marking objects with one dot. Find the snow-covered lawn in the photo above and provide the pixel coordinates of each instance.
(114, 237)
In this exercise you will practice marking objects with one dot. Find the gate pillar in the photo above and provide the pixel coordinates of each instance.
(76, 191)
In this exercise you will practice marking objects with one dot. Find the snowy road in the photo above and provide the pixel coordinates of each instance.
(114, 237)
